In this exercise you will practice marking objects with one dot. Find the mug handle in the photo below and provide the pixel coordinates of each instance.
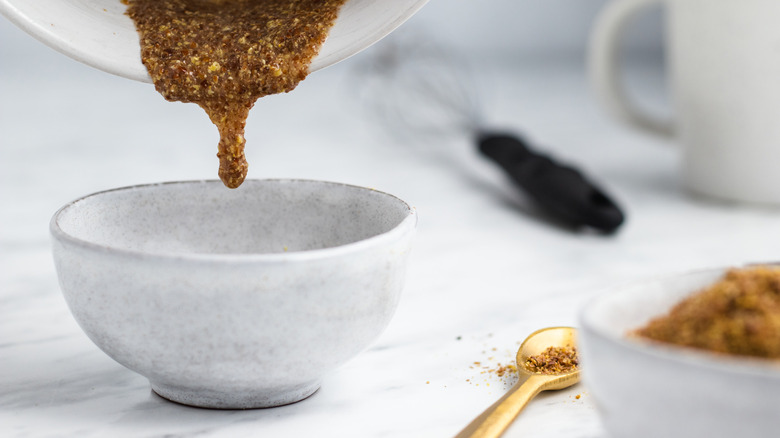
(603, 68)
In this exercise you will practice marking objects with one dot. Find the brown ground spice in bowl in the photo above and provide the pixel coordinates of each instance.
(738, 315)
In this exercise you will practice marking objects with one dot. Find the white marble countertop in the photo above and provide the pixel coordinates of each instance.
(486, 270)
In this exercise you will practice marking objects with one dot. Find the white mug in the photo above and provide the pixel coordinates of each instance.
(724, 63)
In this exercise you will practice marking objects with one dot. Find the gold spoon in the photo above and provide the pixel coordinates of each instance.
(496, 419)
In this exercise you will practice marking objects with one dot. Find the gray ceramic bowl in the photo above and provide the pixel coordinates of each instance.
(644, 389)
(233, 298)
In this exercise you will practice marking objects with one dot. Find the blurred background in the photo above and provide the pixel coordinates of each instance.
(517, 28)
(528, 28)
(491, 37)
(67, 129)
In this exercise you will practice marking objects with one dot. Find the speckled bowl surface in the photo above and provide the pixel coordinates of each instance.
(233, 298)
(645, 389)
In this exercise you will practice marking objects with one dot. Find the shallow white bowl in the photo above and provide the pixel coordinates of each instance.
(233, 298)
(643, 389)
(99, 34)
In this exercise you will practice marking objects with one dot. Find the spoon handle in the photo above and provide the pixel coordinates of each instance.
(496, 419)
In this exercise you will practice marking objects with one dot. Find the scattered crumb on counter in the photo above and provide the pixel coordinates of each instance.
(496, 367)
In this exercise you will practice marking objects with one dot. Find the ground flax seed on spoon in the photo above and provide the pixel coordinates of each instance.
(226, 54)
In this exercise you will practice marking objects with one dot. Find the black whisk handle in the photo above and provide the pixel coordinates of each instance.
(561, 191)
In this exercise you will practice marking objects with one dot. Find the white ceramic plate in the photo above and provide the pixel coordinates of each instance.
(99, 34)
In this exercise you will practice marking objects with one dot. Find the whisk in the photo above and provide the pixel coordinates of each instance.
(420, 91)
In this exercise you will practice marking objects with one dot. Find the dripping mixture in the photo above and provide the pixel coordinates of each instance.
(225, 54)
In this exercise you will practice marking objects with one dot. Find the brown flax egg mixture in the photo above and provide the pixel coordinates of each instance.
(225, 54)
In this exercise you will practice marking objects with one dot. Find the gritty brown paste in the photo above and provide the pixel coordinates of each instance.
(554, 360)
(739, 315)
(225, 54)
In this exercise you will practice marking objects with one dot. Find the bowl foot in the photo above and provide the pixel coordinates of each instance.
(239, 399)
